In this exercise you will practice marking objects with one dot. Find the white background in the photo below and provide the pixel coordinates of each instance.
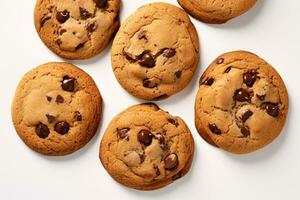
(271, 30)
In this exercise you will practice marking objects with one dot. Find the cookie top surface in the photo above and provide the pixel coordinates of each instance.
(156, 52)
(216, 11)
(56, 109)
(146, 148)
(242, 103)
(76, 29)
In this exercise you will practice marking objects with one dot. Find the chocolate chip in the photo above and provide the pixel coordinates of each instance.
(145, 137)
(169, 53)
(62, 16)
(44, 19)
(42, 130)
(59, 99)
(77, 116)
(171, 161)
(160, 97)
(62, 31)
(271, 108)
(122, 133)
(79, 46)
(101, 3)
(177, 176)
(128, 56)
(227, 70)
(50, 118)
(84, 14)
(142, 158)
(147, 60)
(157, 171)
(148, 84)
(49, 98)
(220, 60)
(213, 128)
(178, 74)
(261, 97)
(58, 42)
(246, 115)
(242, 95)
(208, 81)
(172, 121)
(250, 78)
(142, 35)
(245, 131)
(68, 84)
(62, 127)
(91, 27)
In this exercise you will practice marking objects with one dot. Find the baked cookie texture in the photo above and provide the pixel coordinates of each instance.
(216, 11)
(242, 103)
(146, 148)
(76, 29)
(155, 52)
(56, 109)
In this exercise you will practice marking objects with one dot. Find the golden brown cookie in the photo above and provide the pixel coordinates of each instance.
(146, 148)
(242, 103)
(76, 29)
(216, 11)
(156, 52)
(56, 109)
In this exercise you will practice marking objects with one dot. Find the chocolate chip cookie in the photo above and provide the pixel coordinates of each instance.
(146, 148)
(216, 11)
(242, 103)
(56, 109)
(156, 52)
(76, 29)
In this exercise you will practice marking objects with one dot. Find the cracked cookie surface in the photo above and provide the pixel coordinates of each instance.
(146, 148)
(216, 11)
(242, 103)
(56, 109)
(155, 52)
(76, 29)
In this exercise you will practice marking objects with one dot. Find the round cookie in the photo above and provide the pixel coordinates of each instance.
(76, 29)
(155, 52)
(146, 148)
(56, 109)
(242, 103)
(216, 11)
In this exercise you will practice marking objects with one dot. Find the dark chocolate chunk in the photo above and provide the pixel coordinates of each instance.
(68, 84)
(84, 14)
(79, 46)
(49, 98)
(242, 95)
(171, 161)
(42, 130)
(250, 78)
(172, 121)
(59, 99)
(145, 137)
(147, 60)
(142, 35)
(62, 127)
(77, 116)
(177, 176)
(91, 27)
(62, 31)
(261, 97)
(271, 108)
(50, 118)
(122, 133)
(245, 131)
(148, 84)
(62, 16)
(169, 53)
(101, 3)
(213, 128)
(178, 74)
(58, 42)
(246, 115)
(208, 81)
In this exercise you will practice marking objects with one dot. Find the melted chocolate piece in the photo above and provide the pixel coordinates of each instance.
(50, 118)
(250, 78)
(178, 74)
(169, 53)
(68, 84)
(62, 127)
(171, 161)
(84, 14)
(122, 133)
(145, 137)
(77, 116)
(213, 128)
(59, 99)
(208, 81)
(44, 20)
(42, 130)
(247, 115)
(101, 3)
(147, 60)
(242, 95)
(271, 108)
(62, 16)
(245, 131)
(228, 69)
(148, 84)
(220, 61)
